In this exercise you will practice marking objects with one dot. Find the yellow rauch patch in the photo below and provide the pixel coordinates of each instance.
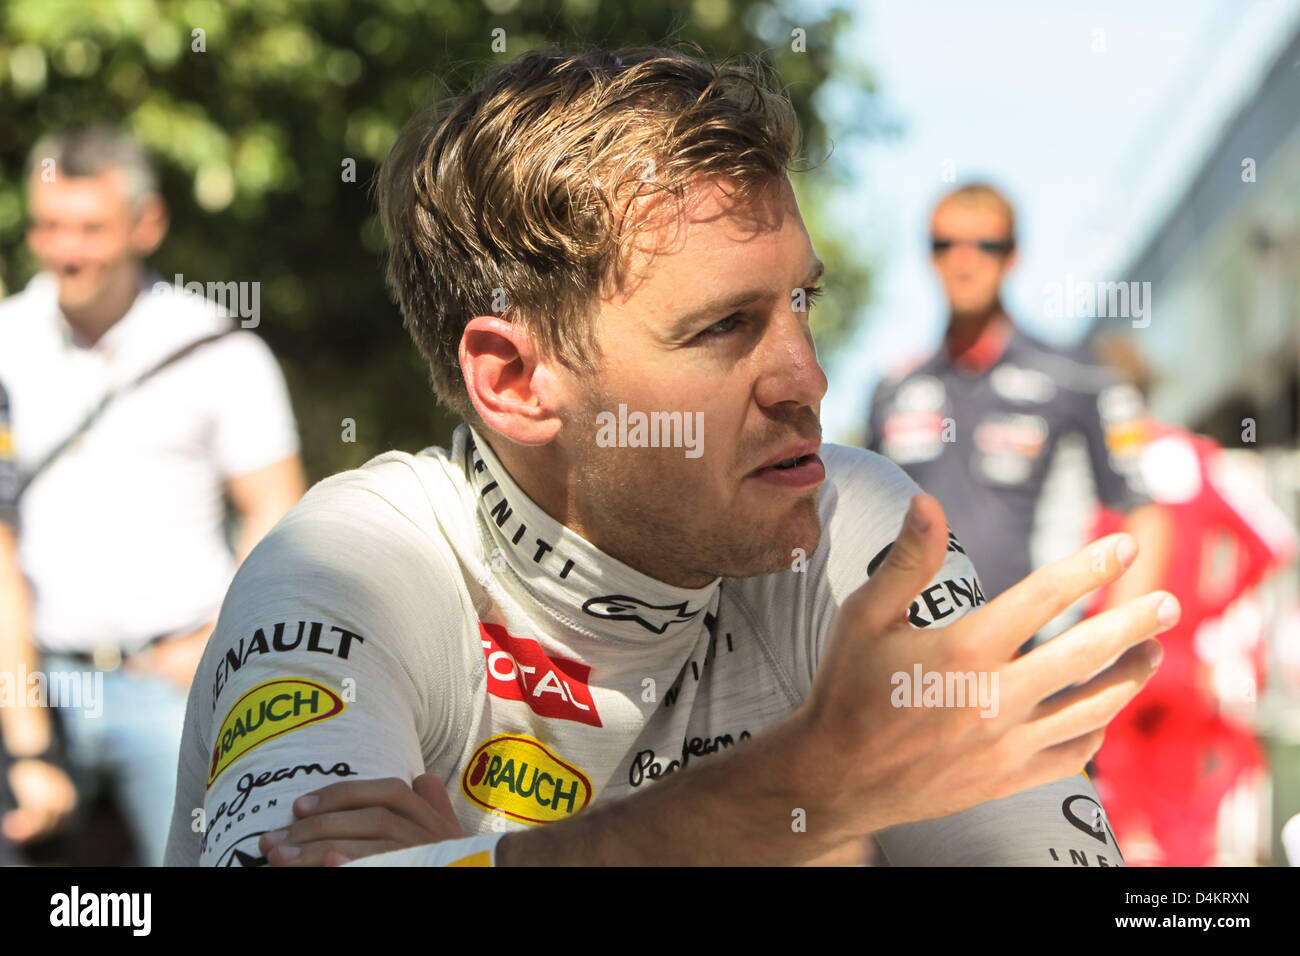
(271, 709)
(520, 777)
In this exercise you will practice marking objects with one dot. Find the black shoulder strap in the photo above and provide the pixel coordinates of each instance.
(107, 400)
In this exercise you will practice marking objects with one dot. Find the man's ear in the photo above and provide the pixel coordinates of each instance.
(513, 389)
(150, 225)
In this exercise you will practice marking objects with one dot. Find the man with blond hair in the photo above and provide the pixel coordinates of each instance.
(536, 647)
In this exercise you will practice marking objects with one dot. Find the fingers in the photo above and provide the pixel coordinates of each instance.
(379, 814)
(373, 824)
(1063, 760)
(328, 853)
(389, 793)
(1090, 707)
(914, 558)
(1020, 612)
(1088, 647)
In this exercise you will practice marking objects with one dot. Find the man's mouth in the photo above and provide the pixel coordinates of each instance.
(796, 471)
(793, 462)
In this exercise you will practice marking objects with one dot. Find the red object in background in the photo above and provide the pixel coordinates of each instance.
(1170, 757)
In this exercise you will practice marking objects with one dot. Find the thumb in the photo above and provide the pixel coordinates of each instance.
(912, 561)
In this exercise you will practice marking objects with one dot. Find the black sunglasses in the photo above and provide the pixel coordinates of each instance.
(1000, 248)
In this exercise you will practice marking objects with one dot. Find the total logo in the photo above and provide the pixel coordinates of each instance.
(518, 669)
(522, 778)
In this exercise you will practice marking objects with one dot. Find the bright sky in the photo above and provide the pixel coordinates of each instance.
(1092, 145)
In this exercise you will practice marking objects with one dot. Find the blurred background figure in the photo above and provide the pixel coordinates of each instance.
(981, 423)
(135, 406)
(1173, 754)
(36, 795)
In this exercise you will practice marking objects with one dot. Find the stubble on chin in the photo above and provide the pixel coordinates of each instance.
(654, 522)
(654, 519)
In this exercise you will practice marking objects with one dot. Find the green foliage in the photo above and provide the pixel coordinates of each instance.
(252, 118)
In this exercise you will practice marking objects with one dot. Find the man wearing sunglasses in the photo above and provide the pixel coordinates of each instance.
(994, 415)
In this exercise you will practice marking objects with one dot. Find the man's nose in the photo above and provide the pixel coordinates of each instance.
(965, 256)
(62, 246)
(792, 373)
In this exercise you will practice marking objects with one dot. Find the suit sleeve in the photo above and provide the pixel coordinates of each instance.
(1110, 419)
(335, 657)
(1058, 824)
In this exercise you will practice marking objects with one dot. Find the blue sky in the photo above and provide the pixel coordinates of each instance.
(1093, 134)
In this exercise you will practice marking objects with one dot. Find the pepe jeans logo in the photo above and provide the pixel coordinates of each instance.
(271, 709)
(620, 607)
(520, 777)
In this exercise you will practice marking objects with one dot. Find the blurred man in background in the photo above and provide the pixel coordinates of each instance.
(980, 423)
(1172, 755)
(135, 406)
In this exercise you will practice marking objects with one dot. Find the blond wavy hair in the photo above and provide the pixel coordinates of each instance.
(514, 198)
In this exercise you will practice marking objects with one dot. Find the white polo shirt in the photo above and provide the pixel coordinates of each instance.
(122, 537)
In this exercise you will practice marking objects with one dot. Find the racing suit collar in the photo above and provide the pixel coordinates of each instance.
(987, 349)
(567, 575)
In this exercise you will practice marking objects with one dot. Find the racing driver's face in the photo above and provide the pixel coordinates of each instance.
(711, 326)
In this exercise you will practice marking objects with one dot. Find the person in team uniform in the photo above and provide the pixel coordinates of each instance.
(985, 421)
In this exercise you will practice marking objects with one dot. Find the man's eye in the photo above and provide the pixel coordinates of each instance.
(723, 327)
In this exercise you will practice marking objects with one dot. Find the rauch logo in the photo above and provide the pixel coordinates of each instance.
(268, 711)
(520, 777)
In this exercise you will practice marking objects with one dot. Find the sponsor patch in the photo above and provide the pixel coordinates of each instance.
(1007, 446)
(271, 709)
(518, 669)
(522, 778)
(1024, 385)
(912, 436)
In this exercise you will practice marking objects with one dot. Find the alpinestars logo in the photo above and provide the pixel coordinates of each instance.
(620, 607)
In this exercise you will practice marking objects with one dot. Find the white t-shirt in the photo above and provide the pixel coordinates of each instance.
(122, 537)
(421, 614)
